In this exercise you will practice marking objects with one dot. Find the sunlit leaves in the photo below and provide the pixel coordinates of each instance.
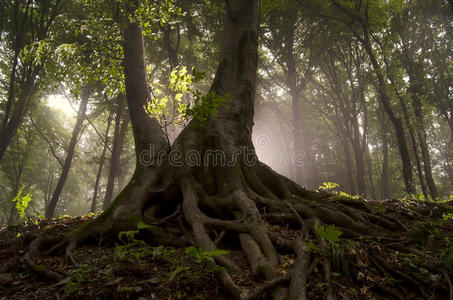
(21, 202)
(151, 12)
(185, 103)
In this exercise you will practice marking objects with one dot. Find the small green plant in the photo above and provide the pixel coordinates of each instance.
(328, 186)
(329, 233)
(340, 255)
(77, 278)
(132, 246)
(381, 208)
(205, 106)
(448, 216)
(312, 246)
(177, 270)
(21, 202)
(193, 274)
(424, 231)
(331, 187)
(202, 256)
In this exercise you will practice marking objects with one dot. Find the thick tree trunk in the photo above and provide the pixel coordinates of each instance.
(101, 164)
(50, 209)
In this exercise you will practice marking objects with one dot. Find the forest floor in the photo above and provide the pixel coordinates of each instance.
(132, 269)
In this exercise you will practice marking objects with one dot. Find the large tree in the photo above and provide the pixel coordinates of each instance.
(229, 191)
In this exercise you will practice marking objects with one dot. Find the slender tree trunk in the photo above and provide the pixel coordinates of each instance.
(101, 164)
(349, 169)
(359, 161)
(118, 138)
(297, 133)
(20, 171)
(421, 134)
(310, 167)
(416, 88)
(19, 33)
(370, 173)
(450, 123)
(385, 155)
(50, 210)
(2, 19)
(172, 51)
(397, 124)
(28, 90)
(120, 175)
(413, 142)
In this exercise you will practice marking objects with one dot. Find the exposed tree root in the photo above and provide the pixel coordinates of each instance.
(252, 212)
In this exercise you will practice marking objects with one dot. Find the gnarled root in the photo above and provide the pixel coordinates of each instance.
(254, 211)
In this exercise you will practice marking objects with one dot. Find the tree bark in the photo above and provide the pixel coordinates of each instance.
(50, 209)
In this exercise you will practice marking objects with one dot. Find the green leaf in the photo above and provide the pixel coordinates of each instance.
(142, 225)
(381, 208)
(329, 233)
(312, 246)
(192, 250)
(21, 202)
(176, 271)
(217, 252)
